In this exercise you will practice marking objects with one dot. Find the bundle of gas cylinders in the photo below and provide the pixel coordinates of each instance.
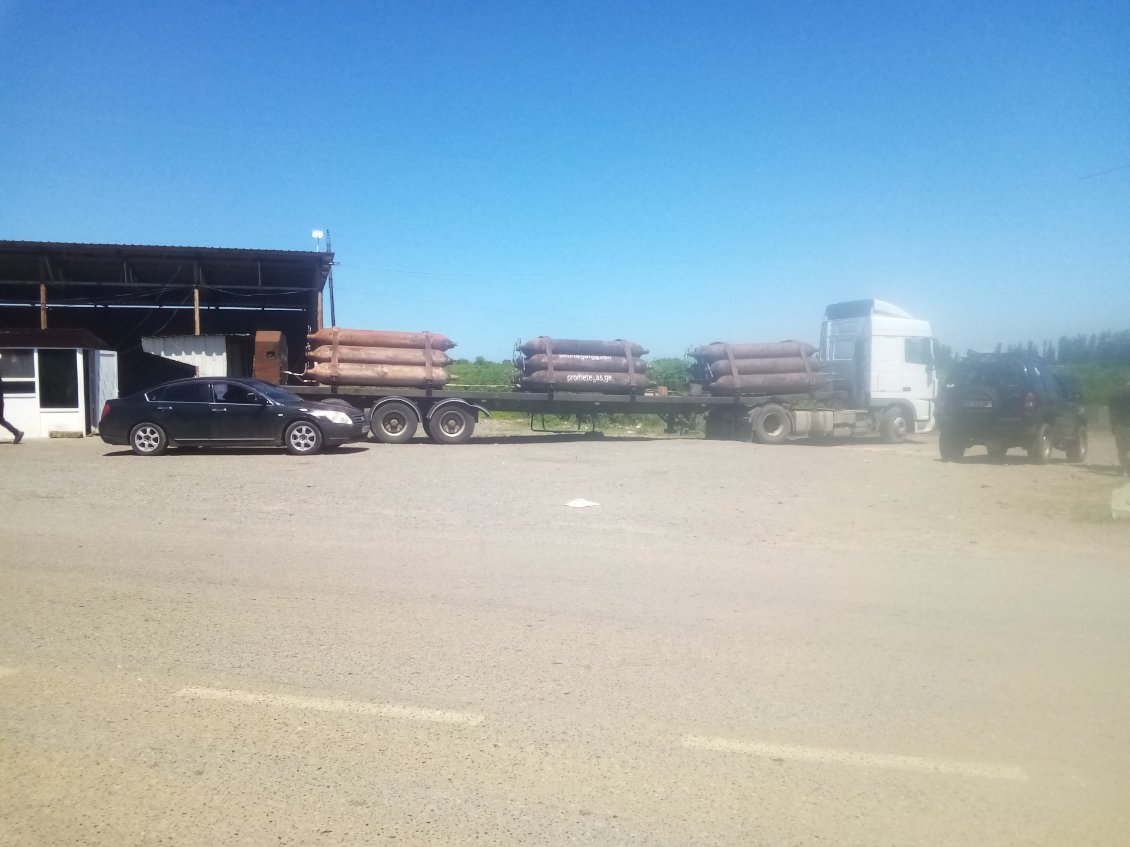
(339, 356)
(578, 365)
(783, 367)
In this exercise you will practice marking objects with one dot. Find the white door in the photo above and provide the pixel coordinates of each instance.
(105, 382)
(886, 367)
(918, 380)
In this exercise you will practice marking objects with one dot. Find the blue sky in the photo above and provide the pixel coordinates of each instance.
(671, 172)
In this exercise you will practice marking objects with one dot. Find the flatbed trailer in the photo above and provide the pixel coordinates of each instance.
(449, 415)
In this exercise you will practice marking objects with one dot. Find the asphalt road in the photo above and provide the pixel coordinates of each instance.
(420, 645)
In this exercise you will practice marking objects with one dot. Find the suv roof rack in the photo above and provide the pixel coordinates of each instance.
(1004, 354)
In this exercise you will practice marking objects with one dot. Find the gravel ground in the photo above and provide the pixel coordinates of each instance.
(845, 643)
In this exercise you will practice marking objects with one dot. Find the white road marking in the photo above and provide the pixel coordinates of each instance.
(850, 757)
(8, 671)
(319, 704)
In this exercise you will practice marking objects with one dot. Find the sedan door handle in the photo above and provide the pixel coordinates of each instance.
(219, 410)
(164, 408)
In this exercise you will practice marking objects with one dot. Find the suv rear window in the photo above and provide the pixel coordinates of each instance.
(989, 372)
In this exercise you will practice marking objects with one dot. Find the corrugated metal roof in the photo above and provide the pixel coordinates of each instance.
(56, 245)
(77, 339)
(141, 274)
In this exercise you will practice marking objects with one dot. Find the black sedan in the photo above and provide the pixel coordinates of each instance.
(227, 412)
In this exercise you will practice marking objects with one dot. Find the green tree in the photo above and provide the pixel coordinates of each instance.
(672, 373)
(482, 373)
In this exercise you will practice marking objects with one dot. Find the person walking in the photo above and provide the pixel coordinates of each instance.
(1120, 422)
(18, 435)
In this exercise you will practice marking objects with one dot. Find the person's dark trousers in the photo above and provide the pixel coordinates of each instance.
(4, 423)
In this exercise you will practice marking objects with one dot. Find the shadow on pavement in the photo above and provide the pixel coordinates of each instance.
(232, 451)
(543, 438)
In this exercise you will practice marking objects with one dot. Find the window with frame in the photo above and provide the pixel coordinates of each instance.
(58, 379)
(17, 367)
(919, 351)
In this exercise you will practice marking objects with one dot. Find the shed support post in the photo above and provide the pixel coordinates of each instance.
(196, 299)
(43, 269)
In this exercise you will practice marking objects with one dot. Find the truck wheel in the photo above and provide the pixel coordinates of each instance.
(894, 426)
(772, 425)
(951, 446)
(1040, 450)
(393, 423)
(1077, 449)
(451, 425)
(148, 439)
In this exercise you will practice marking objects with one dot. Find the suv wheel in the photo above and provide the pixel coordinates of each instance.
(952, 446)
(1040, 450)
(1077, 449)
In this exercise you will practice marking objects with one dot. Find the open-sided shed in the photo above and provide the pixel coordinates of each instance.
(124, 292)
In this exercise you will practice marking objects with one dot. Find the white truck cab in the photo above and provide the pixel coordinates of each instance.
(884, 359)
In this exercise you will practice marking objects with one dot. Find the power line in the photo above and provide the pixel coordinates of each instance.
(1104, 173)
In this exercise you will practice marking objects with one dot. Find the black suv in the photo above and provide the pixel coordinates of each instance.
(1008, 400)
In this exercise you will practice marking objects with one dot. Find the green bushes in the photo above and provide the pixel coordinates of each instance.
(496, 376)
(1097, 382)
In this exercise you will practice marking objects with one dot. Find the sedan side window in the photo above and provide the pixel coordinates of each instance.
(189, 392)
(235, 394)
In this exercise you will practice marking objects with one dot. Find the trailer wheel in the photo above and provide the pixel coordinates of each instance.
(451, 425)
(772, 425)
(393, 422)
(894, 426)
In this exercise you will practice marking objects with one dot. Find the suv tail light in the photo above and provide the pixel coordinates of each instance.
(105, 409)
(1029, 403)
